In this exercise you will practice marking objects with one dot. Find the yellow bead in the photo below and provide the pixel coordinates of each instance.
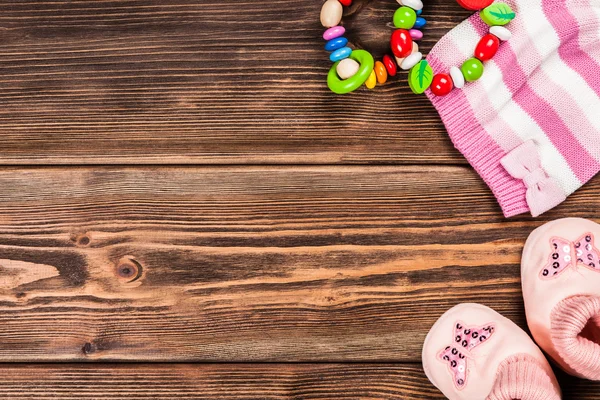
(372, 81)
(381, 72)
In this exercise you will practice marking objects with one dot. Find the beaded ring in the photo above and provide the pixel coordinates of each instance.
(353, 68)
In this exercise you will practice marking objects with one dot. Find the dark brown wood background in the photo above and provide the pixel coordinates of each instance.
(187, 212)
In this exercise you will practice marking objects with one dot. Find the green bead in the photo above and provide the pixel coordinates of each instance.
(420, 77)
(404, 18)
(367, 63)
(497, 14)
(472, 69)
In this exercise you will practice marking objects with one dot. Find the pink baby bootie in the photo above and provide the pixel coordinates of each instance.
(472, 352)
(560, 271)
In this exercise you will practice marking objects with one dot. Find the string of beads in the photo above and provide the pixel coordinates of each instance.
(353, 68)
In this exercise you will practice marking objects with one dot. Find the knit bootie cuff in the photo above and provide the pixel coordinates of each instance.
(472, 352)
(523, 377)
(575, 333)
(560, 274)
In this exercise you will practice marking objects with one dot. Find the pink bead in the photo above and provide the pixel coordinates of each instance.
(334, 32)
(415, 34)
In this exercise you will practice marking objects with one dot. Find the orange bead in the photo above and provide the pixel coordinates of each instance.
(381, 72)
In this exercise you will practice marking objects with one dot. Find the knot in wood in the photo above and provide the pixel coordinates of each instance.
(88, 348)
(128, 269)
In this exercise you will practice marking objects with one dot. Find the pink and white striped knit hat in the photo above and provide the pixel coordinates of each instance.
(531, 125)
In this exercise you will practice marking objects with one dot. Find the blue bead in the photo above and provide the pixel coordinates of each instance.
(419, 23)
(419, 12)
(336, 43)
(340, 54)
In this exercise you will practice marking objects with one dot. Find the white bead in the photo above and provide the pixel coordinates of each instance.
(457, 77)
(411, 61)
(414, 4)
(347, 68)
(501, 33)
(331, 13)
(566, 249)
(415, 48)
(567, 258)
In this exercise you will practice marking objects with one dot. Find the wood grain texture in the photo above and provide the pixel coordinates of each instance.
(249, 264)
(241, 381)
(233, 381)
(210, 82)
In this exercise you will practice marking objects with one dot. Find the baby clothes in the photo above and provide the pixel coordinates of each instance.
(560, 271)
(531, 125)
(472, 352)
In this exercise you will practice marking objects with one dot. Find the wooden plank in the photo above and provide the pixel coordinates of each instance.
(188, 381)
(183, 81)
(233, 381)
(245, 264)
(578, 389)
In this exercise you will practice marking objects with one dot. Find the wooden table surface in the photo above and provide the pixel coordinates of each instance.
(187, 212)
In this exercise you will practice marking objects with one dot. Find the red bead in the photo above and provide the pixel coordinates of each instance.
(346, 3)
(390, 65)
(474, 5)
(442, 84)
(401, 43)
(487, 47)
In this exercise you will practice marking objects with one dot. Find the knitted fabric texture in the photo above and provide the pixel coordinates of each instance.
(576, 334)
(530, 126)
(522, 377)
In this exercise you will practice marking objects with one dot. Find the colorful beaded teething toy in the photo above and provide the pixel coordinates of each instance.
(353, 68)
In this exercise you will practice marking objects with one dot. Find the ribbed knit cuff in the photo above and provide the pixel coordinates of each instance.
(575, 342)
(522, 377)
(471, 139)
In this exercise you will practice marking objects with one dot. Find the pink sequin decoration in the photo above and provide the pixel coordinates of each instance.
(456, 355)
(567, 254)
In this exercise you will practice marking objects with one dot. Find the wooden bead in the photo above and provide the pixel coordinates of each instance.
(401, 43)
(340, 54)
(415, 48)
(420, 77)
(420, 22)
(415, 34)
(458, 78)
(390, 65)
(372, 81)
(411, 61)
(472, 69)
(441, 85)
(416, 5)
(404, 18)
(336, 43)
(331, 13)
(487, 47)
(474, 5)
(334, 32)
(497, 14)
(380, 72)
(501, 33)
(366, 61)
(347, 68)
